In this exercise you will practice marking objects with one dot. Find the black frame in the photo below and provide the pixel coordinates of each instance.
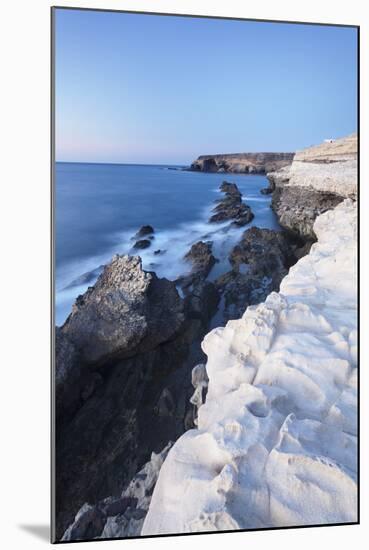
(52, 266)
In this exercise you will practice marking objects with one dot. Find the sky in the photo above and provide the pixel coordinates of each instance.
(134, 88)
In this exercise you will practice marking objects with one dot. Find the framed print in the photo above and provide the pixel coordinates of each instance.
(205, 303)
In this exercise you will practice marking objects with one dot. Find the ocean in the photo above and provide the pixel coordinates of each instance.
(100, 207)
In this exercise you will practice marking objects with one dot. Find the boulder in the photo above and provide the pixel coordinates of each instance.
(128, 311)
(144, 231)
(143, 243)
(231, 207)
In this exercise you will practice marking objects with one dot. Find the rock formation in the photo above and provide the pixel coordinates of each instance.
(231, 207)
(123, 384)
(120, 516)
(259, 262)
(319, 178)
(244, 163)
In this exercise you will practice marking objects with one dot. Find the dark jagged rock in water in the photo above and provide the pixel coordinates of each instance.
(201, 297)
(85, 278)
(143, 243)
(201, 257)
(259, 262)
(130, 342)
(230, 188)
(144, 231)
(231, 207)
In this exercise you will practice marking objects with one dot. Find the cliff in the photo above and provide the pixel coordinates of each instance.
(318, 179)
(245, 163)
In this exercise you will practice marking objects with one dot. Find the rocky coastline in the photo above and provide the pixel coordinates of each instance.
(242, 163)
(124, 356)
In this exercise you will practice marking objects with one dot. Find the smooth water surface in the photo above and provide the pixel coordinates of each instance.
(99, 208)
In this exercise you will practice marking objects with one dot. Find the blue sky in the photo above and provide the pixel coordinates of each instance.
(155, 89)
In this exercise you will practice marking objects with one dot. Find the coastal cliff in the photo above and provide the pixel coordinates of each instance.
(318, 179)
(243, 163)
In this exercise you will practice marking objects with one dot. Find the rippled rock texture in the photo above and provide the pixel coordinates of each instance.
(276, 443)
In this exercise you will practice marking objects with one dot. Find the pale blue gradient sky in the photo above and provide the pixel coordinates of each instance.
(155, 89)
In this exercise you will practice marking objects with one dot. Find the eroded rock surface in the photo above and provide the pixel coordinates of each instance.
(319, 178)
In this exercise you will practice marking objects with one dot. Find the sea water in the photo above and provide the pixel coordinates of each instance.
(100, 207)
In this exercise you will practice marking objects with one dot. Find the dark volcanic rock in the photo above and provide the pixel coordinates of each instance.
(144, 231)
(297, 207)
(143, 243)
(259, 262)
(127, 311)
(85, 278)
(201, 257)
(129, 343)
(230, 189)
(201, 298)
(231, 206)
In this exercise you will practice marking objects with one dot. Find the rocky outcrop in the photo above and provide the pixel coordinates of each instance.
(144, 231)
(276, 443)
(126, 312)
(120, 516)
(297, 207)
(231, 207)
(244, 163)
(201, 297)
(259, 262)
(143, 237)
(123, 384)
(142, 243)
(201, 257)
(319, 178)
